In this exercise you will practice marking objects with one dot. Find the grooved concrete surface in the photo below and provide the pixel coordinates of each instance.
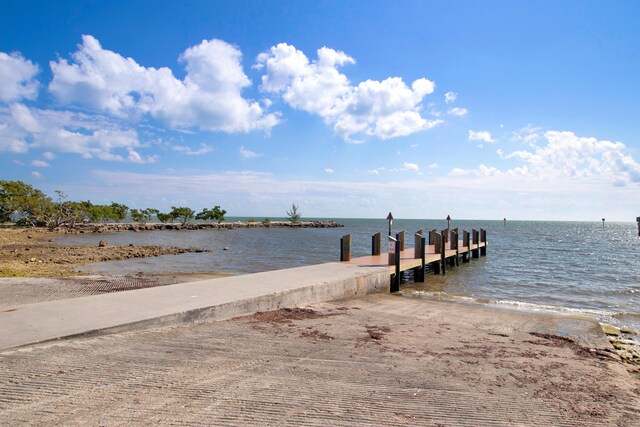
(375, 360)
(15, 292)
(215, 299)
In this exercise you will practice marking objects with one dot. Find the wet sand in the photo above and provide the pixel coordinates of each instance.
(375, 360)
(32, 253)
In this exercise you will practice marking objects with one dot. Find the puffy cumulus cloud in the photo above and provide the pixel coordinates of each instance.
(209, 98)
(481, 135)
(450, 97)
(23, 128)
(565, 160)
(408, 166)
(37, 175)
(328, 170)
(457, 111)
(17, 78)
(385, 109)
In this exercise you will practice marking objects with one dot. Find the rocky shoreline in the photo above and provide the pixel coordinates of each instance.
(31, 252)
(117, 227)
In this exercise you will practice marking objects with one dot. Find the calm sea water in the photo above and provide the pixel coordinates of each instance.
(576, 267)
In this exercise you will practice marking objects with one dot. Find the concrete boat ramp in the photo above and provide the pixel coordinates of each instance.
(215, 299)
(345, 359)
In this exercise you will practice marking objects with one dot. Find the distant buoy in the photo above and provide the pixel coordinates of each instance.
(602, 222)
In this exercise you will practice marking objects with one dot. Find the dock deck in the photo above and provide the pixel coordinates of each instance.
(440, 249)
(408, 260)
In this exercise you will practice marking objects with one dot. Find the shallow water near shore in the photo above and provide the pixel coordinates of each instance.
(570, 267)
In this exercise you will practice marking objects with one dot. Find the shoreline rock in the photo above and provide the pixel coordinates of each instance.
(118, 227)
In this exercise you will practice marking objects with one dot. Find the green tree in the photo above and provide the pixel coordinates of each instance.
(293, 215)
(182, 213)
(165, 217)
(215, 214)
(143, 216)
(72, 213)
(30, 204)
(118, 211)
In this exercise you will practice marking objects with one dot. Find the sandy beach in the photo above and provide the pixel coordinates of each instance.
(376, 360)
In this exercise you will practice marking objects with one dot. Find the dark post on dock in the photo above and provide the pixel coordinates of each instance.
(345, 248)
(638, 221)
(375, 244)
(395, 282)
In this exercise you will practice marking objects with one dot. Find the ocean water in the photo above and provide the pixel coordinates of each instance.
(570, 267)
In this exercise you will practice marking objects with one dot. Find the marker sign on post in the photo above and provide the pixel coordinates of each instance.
(391, 247)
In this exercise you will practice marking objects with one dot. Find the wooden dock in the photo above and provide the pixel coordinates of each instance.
(439, 250)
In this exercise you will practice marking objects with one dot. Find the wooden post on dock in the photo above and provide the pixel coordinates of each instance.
(417, 241)
(395, 280)
(434, 239)
(483, 239)
(391, 249)
(423, 250)
(443, 251)
(474, 235)
(400, 237)
(375, 244)
(465, 243)
(454, 245)
(345, 248)
(418, 252)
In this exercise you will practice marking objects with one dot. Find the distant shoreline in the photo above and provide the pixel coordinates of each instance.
(117, 227)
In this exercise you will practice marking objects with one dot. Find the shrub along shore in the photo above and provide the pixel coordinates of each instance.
(116, 227)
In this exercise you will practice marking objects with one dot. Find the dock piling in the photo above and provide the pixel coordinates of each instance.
(345, 248)
(434, 239)
(483, 239)
(465, 243)
(375, 244)
(443, 251)
(400, 237)
(395, 279)
(419, 252)
(475, 253)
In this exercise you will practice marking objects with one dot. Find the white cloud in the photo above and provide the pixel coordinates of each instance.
(248, 154)
(481, 135)
(37, 175)
(328, 170)
(566, 160)
(385, 109)
(48, 155)
(450, 97)
(17, 80)
(433, 166)
(92, 136)
(204, 149)
(528, 134)
(413, 167)
(457, 111)
(40, 164)
(209, 98)
(135, 157)
(406, 167)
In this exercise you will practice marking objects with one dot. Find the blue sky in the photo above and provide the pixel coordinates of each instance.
(481, 110)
